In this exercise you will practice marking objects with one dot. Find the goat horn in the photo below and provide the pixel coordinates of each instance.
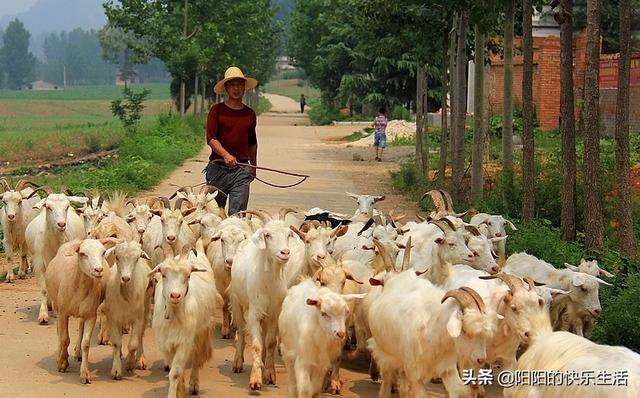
(5, 184)
(262, 215)
(100, 200)
(165, 202)
(366, 226)
(44, 189)
(20, 185)
(133, 202)
(533, 283)
(185, 189)
(513, 282)
(444, 224)
(463, 298)
(473, 229)
(420, 218)
(210, 189)
(476, 297)
(152, 201)
(177, 205)
(447, 198)
(438, 200)
(388, 264)
(284, 211)
(407, 255)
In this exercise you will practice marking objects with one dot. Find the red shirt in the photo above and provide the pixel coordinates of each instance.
(234, 128)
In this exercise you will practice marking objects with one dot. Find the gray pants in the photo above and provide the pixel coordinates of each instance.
(234, 182)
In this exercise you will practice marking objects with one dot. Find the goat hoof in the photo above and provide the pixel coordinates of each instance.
(335, 387)
(11, 279)
(255, 386)
(84, 379)
(142, 364)
(194, 388)
(116, 375)
(43, 319)
(63, 365)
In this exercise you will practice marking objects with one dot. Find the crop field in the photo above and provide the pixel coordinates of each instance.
(40, 126)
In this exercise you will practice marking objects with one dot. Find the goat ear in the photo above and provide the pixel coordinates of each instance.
(154, 271)
(498, 239)
(188, 211)
(348, 275)
(301, 234)
(216, 236)
(313, 302)
(111, 241)
(73, 248)
(340, 231)
(181, 195)
(606, 273)
(603, 282)
(577, 281)
(39, 205)
(156, 212)
(109, 252)
(378, 198)
(439, 240)
(258, 239)
(571, 267)
(81, 200)
(510, 224)
(351, 297)
(352, 195)
(454, 324)
(144, 255)
(558, 292)
(196, 269)
(129, 218)
(375, 282)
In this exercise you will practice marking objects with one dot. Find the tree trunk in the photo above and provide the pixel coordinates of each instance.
(624, 228)
(485, 115)
(195, 95)
(461, 112)
(453, 50)
(594, 223)
(478, 108)
(183, 94)
(421, 156)
(444, 123)
(567, 125)
(507, 105)
(528, 146)
(203, 86)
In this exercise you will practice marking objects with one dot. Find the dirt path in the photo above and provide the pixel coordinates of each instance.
(28, 349)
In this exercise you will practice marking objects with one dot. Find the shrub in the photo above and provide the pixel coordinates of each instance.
(400, 113)
(129, 109)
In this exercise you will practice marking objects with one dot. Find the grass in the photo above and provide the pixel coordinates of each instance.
(38, 126)
(264, 105)
(291, 88)
(159, 91)
(145, 159)
(360, 134)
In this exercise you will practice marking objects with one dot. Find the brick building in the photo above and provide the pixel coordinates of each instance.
(546, 82)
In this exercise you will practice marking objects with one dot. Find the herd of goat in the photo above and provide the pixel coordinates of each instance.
(428, 299)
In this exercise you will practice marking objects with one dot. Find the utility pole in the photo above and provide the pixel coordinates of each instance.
(64, 76)
(183, 86)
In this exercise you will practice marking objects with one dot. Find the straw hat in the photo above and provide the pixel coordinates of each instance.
(231, 73)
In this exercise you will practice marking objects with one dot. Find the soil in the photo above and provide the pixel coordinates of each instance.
(29, 349)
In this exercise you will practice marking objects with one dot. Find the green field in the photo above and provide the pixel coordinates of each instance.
(39, 126)
(292, 89)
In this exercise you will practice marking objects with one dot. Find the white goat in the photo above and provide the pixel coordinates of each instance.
(16, 214)
(365, 209)
(185, 301)
(417, 335)
(257, 289)
(225, 240)
(76, 279)
(566, 353)
(54, 225)
(127, 302)
(494, 226)
(139, 216)
(590, 267)
(168, 228)
(312, 332)
(581, 305)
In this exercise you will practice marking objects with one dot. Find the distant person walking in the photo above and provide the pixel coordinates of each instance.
(303, 102)
(231, 134)
(380, 133)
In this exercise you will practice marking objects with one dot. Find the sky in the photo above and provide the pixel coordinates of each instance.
(10, 7)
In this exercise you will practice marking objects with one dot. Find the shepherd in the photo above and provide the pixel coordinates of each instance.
(231, 134)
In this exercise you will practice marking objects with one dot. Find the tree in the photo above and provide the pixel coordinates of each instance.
(507, 105)
(124, 48)
(477, 154)
(448, 40)
(458, 147)
(18, 62)
(422, 153)
(567, 122)
(626, 240)
(528, 147)
(594, 223)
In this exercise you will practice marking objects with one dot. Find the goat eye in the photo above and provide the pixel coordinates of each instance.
(584, 289)
(452, 244)
(514, 308)
(324, 314)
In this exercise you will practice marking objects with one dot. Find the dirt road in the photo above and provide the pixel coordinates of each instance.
(286, 142)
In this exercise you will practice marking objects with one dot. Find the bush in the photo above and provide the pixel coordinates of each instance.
(620, 318)
(129, 109)
(400, 113)
(495, 123)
